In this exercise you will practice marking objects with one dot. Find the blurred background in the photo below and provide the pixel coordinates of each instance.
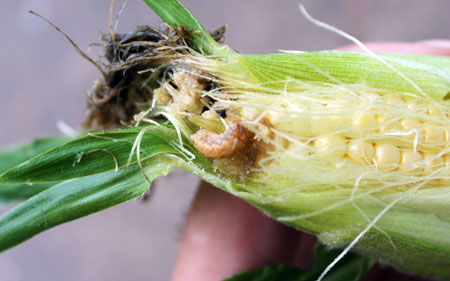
(44, 80)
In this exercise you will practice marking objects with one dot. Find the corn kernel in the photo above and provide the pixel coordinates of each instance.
(409, 124)
(410, 157)
(387, 123)
(361, 152)
(373, 96)
(332, 146)
(432, 162)
(432, 135)
(435, 112)
(394, 100)
(387, 156)
(367, 121)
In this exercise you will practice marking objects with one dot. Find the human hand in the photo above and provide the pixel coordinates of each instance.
(224, 235)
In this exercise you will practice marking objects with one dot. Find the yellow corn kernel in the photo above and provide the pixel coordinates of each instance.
(410, 157)
(361, 152)
(412, 128)
(446, 164)
(387, 123)
(432, 162)
(373, 96)
(276, 118)
(392, 100)
(387, 156)
(435, 112)
(432, 135)
(409, 124)
(414, 105)
(367, 121)
(332, 146)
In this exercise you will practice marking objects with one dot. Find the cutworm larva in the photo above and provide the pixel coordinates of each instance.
(214, 145)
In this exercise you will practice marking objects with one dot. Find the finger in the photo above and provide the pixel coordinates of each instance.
(224, 235)
(431, 47)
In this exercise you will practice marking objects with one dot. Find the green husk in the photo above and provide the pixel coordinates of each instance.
(404, 217)
(431, 75)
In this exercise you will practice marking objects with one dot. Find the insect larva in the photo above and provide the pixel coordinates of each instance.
(214, 145)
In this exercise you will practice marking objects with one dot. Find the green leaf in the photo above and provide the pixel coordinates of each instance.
(10, 193)
(92, 154)
(351, 268)
(76, 198)
(176, 15)
(12, 156)
(426, 74)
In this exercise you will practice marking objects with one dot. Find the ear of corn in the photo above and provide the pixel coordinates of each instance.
(346, 136)
(339, 144)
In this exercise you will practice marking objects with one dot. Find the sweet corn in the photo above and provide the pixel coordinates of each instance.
(314, 147)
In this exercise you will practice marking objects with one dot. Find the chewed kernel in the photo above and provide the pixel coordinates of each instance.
(214, 145)
(161, 96)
